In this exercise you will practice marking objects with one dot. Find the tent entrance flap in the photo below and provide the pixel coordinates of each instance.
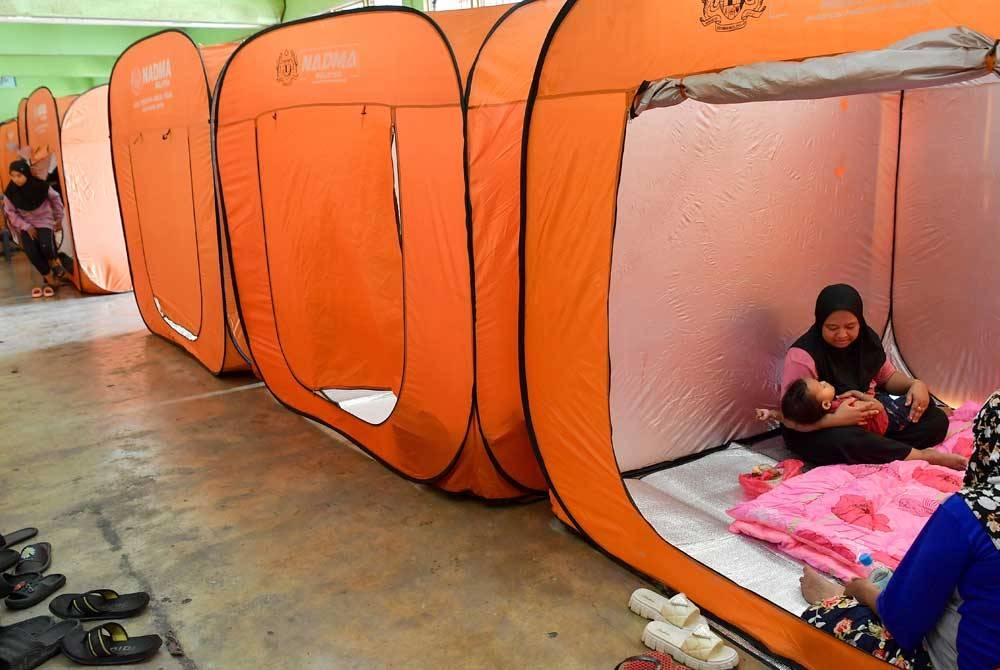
(334, 253)
(687, 504)
(372, 406)
(160, 164)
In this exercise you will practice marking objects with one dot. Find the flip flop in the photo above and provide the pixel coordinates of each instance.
(17, 537)
(25, 650)
(33, 589)
(48, 292)
(677, 610)
(99, 604)
(109, 644)
(34, 558)
(700, 649)
(36, 292)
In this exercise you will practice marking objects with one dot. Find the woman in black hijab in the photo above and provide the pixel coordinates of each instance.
(34, 210)
(842, 349)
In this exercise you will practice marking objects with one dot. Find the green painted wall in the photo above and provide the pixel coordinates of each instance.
(10, 97)
(296, 9)
(71, 58)
(263, 12)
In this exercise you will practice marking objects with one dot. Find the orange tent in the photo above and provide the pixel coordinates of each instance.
(63, 104)
(353, 265)
(44, 139)
(8, 149)
(97, 250)
(90, 194)
(22, 123)
(667, 261)
(159, 103)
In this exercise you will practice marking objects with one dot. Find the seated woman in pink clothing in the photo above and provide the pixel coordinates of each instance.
(35, 211)
(841, 349)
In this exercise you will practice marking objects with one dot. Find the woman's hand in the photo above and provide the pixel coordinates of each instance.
(32, 233)
(917, 399)
(856, 413)
(857, 395)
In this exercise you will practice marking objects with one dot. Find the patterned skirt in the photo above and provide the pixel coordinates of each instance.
(855, 624)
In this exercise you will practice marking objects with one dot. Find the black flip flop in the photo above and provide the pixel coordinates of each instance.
(8, 559)
(109, 644)
(17, 537)
(99, 604)
(25, 650)
(34, 558)
(33, 589)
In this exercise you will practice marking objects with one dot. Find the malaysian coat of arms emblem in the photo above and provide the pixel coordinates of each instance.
(729, 15)
(288, 67)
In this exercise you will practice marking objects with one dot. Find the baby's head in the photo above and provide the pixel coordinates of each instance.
(807, 400)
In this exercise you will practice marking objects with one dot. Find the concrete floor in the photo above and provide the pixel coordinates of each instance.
(264, 541)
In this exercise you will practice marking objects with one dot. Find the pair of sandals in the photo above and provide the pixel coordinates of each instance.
(47, 291)
(25, 585)
(678, 629)
(109, 643)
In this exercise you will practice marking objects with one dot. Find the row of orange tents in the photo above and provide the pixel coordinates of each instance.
(70, 135)
(442, 236)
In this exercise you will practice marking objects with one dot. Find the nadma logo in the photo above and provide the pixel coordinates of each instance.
(330, 60)
(150, 74)
(331, 66)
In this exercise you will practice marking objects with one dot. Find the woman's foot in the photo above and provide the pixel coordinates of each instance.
(935, 457)
(816, 587)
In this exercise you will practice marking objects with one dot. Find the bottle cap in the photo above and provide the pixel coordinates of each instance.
(865, 559)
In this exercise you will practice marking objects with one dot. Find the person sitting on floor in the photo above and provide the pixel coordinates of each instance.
(841, 348)
(940, 606)
(35, 211)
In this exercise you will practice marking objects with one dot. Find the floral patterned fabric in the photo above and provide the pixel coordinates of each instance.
(982, 477)
(848, 620)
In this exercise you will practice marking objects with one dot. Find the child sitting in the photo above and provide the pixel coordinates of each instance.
(807, 400)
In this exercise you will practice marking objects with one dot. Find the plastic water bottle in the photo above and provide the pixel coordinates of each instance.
(878, 574)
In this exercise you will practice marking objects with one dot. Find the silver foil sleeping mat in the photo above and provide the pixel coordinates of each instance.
(687, 506)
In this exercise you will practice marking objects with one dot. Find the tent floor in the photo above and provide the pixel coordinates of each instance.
(263, 542)
(687, 506)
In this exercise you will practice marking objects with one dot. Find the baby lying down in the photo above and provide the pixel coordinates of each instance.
(807, 400)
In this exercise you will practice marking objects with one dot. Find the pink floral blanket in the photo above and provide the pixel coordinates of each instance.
(830, 515)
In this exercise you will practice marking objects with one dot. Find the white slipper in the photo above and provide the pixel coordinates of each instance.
(700, 648)
(678, 610)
